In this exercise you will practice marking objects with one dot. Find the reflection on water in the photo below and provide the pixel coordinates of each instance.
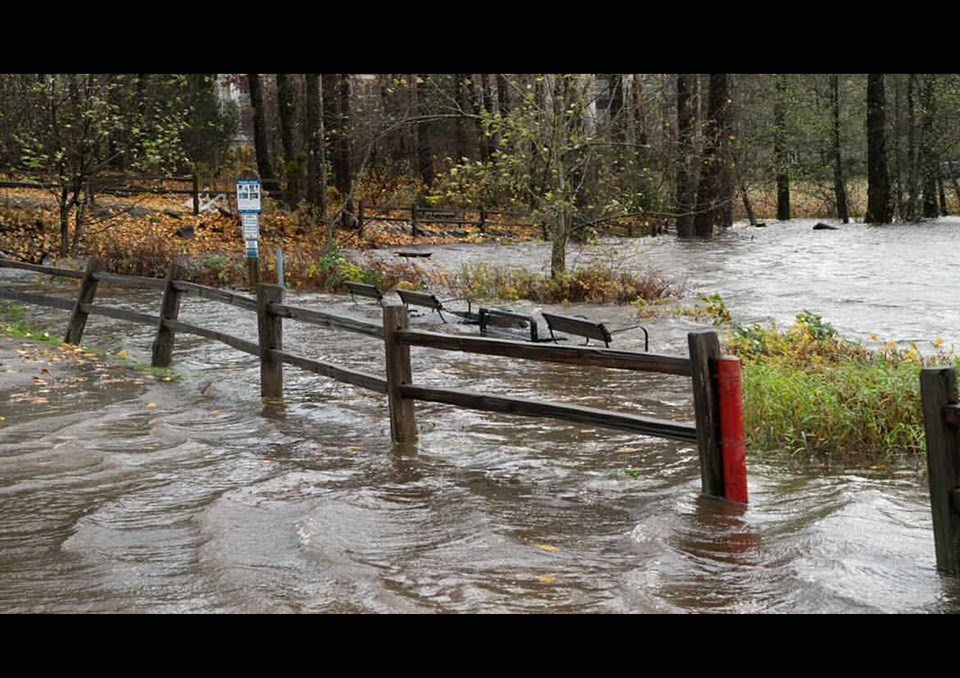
(210, 501)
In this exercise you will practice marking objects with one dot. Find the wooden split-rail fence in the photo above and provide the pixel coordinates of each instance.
(398, 383)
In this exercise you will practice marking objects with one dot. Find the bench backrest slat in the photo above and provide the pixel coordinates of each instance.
(411, 298)
(365, 290)
(508, 320)
(583, 328)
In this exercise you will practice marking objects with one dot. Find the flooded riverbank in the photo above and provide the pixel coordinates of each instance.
(208, 502)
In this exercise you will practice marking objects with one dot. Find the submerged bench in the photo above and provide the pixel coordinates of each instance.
(509, 324)
(364, 290)
(427, 300)
(588, 329)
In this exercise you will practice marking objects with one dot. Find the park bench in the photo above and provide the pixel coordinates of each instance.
(588, 329)
(428, 300)
(364, 290)
(509, 324)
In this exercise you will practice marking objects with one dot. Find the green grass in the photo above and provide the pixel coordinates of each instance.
(805, 389)
(14, 326)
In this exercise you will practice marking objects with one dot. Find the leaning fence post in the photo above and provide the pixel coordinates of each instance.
(938, 395)
(704, 352)
(403, 424)
(413, 220)
(359, 217)
(270, 332)
(88, 290)
(162, 353)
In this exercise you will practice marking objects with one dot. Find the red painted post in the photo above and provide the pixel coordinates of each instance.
(732, 439)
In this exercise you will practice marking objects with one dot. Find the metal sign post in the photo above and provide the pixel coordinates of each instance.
(248, 205)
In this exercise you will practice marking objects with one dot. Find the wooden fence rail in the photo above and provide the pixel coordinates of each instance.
(398, 382)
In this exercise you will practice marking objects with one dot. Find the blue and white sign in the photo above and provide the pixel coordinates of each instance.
(251, 225)
(253, 249)
(248, 196)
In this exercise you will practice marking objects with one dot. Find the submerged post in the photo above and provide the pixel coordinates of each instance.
(162, 353)
(704, 352)
(270, 331)
(88, 291)
(403, 424)
(733, 445)
(938, 395)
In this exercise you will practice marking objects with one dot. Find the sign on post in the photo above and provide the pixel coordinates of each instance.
(248, 204)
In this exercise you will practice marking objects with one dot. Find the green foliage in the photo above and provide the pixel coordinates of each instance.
(806, 389)
(595, 283)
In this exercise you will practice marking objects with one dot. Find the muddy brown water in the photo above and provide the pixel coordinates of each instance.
(190, 496)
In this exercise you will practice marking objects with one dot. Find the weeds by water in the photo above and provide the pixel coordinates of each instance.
(595, 283)
(806, 389)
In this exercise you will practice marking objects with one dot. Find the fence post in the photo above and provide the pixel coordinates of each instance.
(359, 217)
(88, 291)
(483, 219)
(403, 424)
(938, 395)
(162, 353)
(270, 333)
(279, 260)
(733, 445)
(413, 220)
(704, 352)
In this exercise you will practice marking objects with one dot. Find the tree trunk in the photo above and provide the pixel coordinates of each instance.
(316, 161)
(423, 145)
(878, 181)
(486, 109)
(618, 123)
(639, 120)
(64, 205)
(286, 106)
(898, 159)
(839, 189)
(342, 162)
(461, 150)
(913, 172)
(780, 148)
(503, 96)
(713, 190)
(260, 144)
(928, 150)
(943, 196)
(558, 246)
(686, 129)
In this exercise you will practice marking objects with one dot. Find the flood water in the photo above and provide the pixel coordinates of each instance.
(191, 496)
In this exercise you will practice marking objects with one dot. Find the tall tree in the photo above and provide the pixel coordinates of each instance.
(686, 130)
(342, 163)
(930, 168)
(878, 181)
(780, 148)
(260, 143)
(839, 188)
(714, 190)
(422, 129)
(286, 106)
(316, 158)
(484, 111)
(460, 124)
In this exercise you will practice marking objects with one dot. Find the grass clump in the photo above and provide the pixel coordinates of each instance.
(595, 283)
(806, 389)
